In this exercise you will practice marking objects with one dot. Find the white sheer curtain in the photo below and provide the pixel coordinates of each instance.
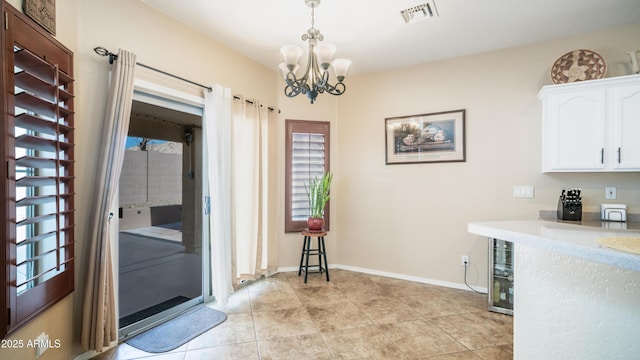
(217, 147)
(99, 318)
(250, 130)
(236, 156)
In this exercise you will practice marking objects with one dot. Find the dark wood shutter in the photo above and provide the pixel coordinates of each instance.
(307, 158)
(38, 197)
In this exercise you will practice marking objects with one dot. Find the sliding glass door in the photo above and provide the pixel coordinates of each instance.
(161, 258)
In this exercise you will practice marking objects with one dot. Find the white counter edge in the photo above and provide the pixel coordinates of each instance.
(529, 232)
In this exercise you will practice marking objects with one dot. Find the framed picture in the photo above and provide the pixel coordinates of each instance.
(42, 12)
(427, 138)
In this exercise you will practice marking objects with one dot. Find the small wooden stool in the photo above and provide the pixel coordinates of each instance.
(308, 251)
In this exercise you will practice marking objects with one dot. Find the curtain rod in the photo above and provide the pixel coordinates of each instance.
(251, 102)
(113, 57)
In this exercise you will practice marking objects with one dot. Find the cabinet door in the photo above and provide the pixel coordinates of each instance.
(625, 112)
(576, 130)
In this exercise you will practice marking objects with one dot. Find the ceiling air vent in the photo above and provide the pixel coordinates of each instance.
(419, 12)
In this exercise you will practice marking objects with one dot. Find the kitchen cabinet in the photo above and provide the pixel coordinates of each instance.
(591, 126)
(500, 276)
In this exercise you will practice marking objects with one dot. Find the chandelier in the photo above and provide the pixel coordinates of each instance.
(315, 79)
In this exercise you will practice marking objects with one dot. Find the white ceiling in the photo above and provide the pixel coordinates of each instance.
(374, 35)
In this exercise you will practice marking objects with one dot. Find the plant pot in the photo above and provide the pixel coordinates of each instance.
(315, 224)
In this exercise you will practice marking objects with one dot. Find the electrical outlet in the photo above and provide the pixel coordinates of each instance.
(42, 344)
(465, 260)
(610, 192)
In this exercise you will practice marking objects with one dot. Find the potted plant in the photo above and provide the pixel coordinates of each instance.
(318, 193)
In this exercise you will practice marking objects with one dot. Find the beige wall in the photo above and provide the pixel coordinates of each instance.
(404, 219)
(412, 219)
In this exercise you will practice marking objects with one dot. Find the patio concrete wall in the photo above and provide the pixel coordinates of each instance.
(150, 189)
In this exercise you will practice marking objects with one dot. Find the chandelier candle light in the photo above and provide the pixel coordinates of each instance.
(316, 75)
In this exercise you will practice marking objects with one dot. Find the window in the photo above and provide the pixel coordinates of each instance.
(38, 186)
(307, 157)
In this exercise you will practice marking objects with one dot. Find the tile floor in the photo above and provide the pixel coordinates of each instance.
(354, 316)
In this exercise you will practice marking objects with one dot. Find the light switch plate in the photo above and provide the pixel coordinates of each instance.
(523, 191)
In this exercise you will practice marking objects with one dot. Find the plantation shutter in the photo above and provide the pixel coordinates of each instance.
(307, 158)
(307, 164)
(39, 224)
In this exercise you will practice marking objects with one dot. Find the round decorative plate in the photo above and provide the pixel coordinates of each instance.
(578, 65)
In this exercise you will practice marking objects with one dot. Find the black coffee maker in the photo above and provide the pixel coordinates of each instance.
(570, 205)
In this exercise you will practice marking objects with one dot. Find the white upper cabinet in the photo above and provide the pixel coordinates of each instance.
(625, 108)
(591, 126)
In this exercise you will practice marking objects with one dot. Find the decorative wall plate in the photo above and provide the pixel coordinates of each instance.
(42, 12)
(578, 65)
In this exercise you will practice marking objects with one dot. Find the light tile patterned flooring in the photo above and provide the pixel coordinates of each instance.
(353, 316)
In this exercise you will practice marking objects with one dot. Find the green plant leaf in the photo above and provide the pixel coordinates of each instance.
(318, 194)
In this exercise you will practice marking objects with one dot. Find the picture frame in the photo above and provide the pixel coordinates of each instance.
(426, 138)
(43, 12)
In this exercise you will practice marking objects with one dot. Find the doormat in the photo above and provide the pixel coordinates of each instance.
(178, 331)
(150, 311)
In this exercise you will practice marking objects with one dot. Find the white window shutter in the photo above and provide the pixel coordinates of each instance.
(308, 163)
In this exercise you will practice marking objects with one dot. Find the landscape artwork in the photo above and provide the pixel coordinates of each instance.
(435, 137)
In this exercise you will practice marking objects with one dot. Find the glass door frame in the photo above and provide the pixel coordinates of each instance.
(155, 94)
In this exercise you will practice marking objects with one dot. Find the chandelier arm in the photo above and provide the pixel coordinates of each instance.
(320, 77)
(309, 66)
(324, 78)
(337, 89)
(290, 91)
(312, 65)
(290, 78)
(295, 85)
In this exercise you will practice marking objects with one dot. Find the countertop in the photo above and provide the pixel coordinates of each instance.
(593, 219)
(571, 239)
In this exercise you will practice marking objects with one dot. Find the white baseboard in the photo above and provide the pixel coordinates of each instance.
(391, 275)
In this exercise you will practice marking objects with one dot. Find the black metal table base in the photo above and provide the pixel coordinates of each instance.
(307, 252)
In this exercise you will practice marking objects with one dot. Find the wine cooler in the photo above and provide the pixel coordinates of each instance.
(501, 276)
